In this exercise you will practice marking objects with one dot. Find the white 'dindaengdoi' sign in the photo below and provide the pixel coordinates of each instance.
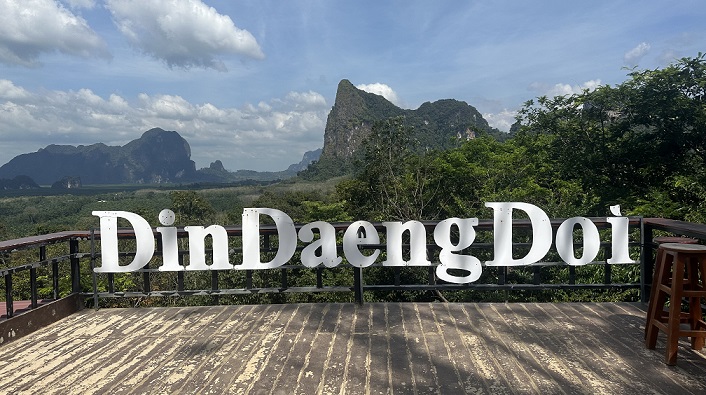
(450, 256)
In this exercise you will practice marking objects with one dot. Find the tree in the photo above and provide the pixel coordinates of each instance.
(392, 180)
(627, 143)
(190, 208)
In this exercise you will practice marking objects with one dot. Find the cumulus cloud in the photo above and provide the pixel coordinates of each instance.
(502, 120)
(182, 33)
(633, 56)
(264, 136)
(382, 90)
(31, 28)
(563, 89)
(8, 91)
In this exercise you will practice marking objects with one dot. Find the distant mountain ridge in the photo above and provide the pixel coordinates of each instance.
(158, 156)
(437, 125)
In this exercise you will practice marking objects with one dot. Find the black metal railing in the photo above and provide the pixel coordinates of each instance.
(355, 280)
(43, 260)
(62, 262)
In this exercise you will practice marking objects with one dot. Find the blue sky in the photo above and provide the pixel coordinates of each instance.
(251, 82)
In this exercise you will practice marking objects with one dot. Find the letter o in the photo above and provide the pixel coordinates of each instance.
(565, 241)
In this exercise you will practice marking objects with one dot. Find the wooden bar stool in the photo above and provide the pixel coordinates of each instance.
(681, 273)
(658, 261)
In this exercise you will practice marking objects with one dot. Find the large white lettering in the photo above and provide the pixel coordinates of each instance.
(361, 241)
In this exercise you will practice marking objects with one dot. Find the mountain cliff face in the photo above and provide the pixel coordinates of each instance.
(158, 156)
(351, 120)
(436, 125)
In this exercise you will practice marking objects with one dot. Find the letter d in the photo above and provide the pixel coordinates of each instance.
(502, 234)
(109, 241)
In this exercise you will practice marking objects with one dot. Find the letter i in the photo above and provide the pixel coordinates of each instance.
(619, 237)
(170, 248)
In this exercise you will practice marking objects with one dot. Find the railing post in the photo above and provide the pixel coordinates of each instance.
(94, 276)
(214, 286)
(248, 279)
(646, 260)
(33, 277)
(55, 279)
(180, 274)
(358, 285)
(33, 287)
(8, 294)
(319, 278)
(75, 268)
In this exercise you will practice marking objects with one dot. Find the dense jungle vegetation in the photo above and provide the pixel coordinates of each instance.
(640, 144)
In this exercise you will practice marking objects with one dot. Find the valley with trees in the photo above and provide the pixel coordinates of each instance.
(640, 144)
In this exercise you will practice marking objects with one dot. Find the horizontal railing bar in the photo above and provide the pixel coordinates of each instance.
(212, 292)
(494, 287)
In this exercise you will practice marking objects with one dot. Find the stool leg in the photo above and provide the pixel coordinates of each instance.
(698, 272)
(659, 261)
(674, 310)
(697, 342)
(657, 300)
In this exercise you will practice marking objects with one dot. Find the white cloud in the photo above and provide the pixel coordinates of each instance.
(264, 136)
(9, 91)
(309, 99)
(182, 33)
(502, 120)
(633, 56)
(30, 28)
(382, 90)
(563, 89)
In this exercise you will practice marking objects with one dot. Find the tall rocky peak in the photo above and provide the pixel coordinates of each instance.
(157, 156)
(436, 125)
(351, 120)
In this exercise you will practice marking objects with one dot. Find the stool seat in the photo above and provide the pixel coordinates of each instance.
(682, 247)
(680, 273)
(674, 239)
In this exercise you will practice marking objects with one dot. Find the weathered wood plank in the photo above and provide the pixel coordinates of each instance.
(400, 348)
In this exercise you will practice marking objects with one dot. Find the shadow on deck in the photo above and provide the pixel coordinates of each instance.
(346, 348)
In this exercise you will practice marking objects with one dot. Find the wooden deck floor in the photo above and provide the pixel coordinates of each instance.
(343, 348)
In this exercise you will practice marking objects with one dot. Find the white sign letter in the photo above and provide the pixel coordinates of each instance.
(251, 238)
(351, 241)
(327, 242)
(619, 242)
(565, 241)
(449, 260)
(109, 242)
(197, 248)
(502, 234)
(417, 241)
